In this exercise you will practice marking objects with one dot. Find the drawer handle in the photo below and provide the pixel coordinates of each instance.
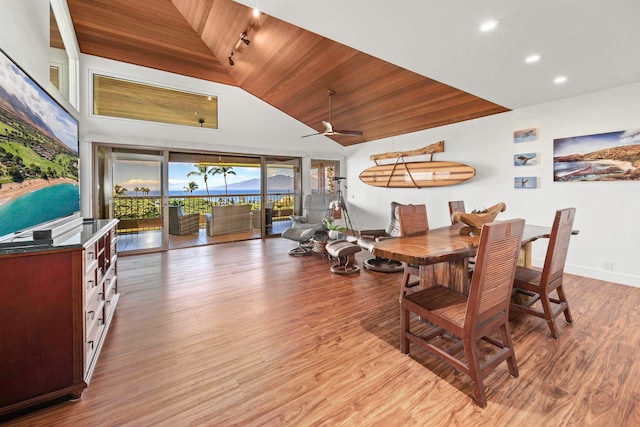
(90, 283)
(91, 344)
(92, 313)
(101, 295)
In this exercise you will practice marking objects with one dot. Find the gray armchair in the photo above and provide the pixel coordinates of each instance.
(369, 237)
(315, 208)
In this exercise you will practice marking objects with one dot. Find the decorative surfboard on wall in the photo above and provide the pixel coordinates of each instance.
(403, 174)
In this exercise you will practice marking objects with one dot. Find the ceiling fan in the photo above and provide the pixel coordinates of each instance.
(328, 127)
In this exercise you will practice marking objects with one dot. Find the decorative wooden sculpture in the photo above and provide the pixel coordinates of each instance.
(402, 174)
(475, 220)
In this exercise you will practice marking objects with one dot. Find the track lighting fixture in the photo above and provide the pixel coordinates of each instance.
(244, 38)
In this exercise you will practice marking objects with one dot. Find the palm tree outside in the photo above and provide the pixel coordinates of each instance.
(203, 171)
(224, 171)
(119, 191)
(191, 187)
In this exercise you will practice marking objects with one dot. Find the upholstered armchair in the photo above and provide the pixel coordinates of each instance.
(181, 224)
(369, 237)
(315, 208)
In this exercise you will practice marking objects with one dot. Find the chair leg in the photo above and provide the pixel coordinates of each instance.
(562, 297)
(548, 314)
(471, 350)
(505, 337)
(404, 328)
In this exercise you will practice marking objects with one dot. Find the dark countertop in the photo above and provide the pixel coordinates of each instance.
(76, 237)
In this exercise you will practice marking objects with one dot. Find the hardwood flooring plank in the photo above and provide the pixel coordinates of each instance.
(243, 334)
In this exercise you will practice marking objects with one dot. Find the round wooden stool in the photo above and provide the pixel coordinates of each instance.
(343, 251)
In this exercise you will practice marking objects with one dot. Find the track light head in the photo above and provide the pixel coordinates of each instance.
(244, 38)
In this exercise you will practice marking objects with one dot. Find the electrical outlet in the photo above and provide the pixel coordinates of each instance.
(607, 265)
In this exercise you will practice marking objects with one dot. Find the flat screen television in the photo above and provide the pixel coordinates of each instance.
(38, 153)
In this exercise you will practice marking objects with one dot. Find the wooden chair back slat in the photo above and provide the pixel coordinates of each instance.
(558, 246)
(412, 219)
(492, 280)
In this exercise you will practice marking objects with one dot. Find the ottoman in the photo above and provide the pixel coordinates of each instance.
(343, 251)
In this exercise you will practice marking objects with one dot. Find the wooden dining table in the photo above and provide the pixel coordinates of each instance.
(442, 254)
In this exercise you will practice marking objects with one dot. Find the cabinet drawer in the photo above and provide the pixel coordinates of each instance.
(110, 296)
(91, 257)
(90, 284)
(93, 311)
(93, 338)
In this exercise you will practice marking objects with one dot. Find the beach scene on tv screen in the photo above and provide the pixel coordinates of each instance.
(38, 153)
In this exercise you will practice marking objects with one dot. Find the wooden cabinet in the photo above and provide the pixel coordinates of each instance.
(56, 305)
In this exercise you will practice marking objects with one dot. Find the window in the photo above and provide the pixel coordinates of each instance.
(115, 97)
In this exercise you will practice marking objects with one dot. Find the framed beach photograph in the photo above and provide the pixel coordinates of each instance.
(608, 156)
(525, 182)
(525, 159)
(525, 135)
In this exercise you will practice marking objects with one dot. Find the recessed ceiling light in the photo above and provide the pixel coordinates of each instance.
(532, 58)
(256, 12)
(560, 79)
(488, 25)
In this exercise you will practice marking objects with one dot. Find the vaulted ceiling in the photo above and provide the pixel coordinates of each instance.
(286, 66)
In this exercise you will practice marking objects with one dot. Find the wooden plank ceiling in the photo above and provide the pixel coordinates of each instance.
(286, 66)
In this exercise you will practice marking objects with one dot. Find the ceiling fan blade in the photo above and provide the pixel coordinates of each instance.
(328, 127)
(348, 132)
(313, 134)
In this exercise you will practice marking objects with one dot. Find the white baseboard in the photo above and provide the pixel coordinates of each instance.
(593, 273)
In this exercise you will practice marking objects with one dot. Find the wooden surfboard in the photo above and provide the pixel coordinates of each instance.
(417, 174)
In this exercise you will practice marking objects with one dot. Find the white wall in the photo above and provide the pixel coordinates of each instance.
(24, 35)
(607, 212)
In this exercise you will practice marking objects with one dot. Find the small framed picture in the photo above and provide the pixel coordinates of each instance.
(525, 159)
(525, 135)
(525, 182)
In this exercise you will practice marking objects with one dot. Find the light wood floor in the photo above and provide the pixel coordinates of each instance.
(243, 334)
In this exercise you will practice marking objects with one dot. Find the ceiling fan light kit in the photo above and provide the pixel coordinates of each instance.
(328, 126)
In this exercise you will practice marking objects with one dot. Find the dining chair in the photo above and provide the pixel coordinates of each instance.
(456, 206)
(412, 219)
(536, 285)
(473, 319)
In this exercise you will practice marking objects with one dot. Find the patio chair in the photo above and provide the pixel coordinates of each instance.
(181, 224)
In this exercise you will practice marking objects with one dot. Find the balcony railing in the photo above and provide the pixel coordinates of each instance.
(143, 212)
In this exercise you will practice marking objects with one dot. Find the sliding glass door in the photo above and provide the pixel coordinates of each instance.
(281, 193)
(129, 188)
(167, 200)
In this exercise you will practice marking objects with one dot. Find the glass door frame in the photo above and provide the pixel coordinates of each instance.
(103, 198)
